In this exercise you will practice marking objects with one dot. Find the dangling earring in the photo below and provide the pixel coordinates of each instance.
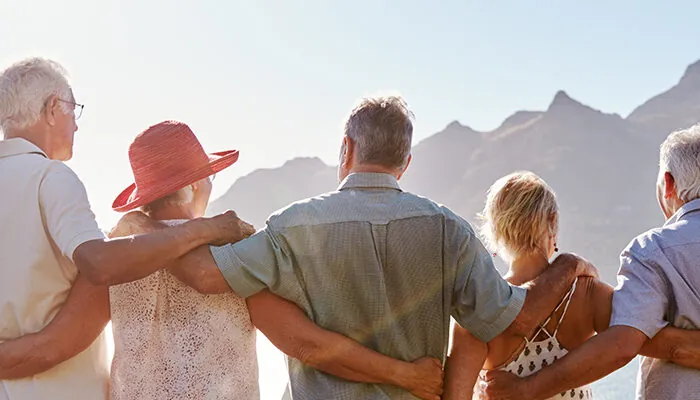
(556, 249)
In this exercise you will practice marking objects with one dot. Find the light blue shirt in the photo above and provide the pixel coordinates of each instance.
(659, 285)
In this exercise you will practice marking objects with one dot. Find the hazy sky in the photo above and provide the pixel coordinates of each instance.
(274, 79)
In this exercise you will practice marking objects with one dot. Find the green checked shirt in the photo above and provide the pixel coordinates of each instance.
(379, 265)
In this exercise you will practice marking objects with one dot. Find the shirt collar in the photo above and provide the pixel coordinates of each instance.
(693, 205)
(17, 146)
(369, 180)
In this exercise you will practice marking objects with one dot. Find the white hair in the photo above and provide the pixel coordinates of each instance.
(26, 86)
(182, 196)
(680, 156)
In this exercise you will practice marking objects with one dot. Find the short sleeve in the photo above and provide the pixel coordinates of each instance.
(257, 263)
(66, 209)
(483, 302)
(640, 299)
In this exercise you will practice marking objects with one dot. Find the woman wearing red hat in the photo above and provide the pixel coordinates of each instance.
(171, 341)
(174, 342)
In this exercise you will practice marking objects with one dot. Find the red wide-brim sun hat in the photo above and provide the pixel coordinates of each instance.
(165, 158)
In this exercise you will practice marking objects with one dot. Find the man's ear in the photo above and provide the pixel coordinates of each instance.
(346, 158)
(408, 162)
(669, 186)
(51, 107)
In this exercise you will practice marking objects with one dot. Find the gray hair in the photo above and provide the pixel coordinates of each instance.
(180, 197)
(24, 89)
(382, 130)
(680, 156)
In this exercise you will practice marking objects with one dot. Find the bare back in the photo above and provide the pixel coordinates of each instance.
(577, 326)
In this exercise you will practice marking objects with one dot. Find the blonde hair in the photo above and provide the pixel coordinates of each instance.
(520, 215)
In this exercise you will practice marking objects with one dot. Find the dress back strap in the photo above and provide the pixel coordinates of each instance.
(566, 307)
(563, 302)
(539, 331)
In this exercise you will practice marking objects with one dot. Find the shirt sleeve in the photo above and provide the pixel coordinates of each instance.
(64, 204)
(259, 262)
(640, 299)
(483, 302)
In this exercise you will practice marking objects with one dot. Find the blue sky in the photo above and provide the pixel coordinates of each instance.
(274, 79)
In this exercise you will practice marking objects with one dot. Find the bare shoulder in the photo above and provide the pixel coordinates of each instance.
(578, 324)
(593, 302)
(590, 293)
(595, 289)
(585, 286)
(132, 223)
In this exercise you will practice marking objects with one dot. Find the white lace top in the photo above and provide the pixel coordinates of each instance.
(172, 342)
(539, 354)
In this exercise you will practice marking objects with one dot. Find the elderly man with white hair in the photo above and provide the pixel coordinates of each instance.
(658, 286)
(52, 253)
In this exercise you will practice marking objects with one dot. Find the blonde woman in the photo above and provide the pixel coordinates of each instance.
(521, 219)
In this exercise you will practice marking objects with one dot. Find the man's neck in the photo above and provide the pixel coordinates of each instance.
(374, 168)
(676, 205)
(32, 135)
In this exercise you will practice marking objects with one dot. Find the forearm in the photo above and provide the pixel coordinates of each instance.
(195, 269)
(679, 346)
(27, 356)
(127, 259)
(338, 355)
(198, 270)
(464, 364)
(544, 293)
(593, 360)
(290, 330)
(80, 321)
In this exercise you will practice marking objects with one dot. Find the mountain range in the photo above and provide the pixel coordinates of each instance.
(602, 166)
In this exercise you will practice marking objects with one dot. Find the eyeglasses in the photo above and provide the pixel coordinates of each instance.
(77, 108)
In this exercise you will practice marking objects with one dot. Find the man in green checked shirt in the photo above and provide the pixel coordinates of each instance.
(379, 265)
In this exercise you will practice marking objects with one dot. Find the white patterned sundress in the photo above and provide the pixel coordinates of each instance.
(539, 354)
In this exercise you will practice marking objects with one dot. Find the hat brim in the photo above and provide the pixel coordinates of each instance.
(134, 197)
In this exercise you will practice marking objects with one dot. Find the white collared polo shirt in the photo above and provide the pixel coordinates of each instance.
(44, 216)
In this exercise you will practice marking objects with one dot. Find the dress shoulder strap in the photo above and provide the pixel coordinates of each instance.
(542, 327)
(566, 307)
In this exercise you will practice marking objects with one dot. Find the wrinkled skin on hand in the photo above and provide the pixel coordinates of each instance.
(428, 382)
(229, 228)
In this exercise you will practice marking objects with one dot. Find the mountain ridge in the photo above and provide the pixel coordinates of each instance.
(602, 167)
